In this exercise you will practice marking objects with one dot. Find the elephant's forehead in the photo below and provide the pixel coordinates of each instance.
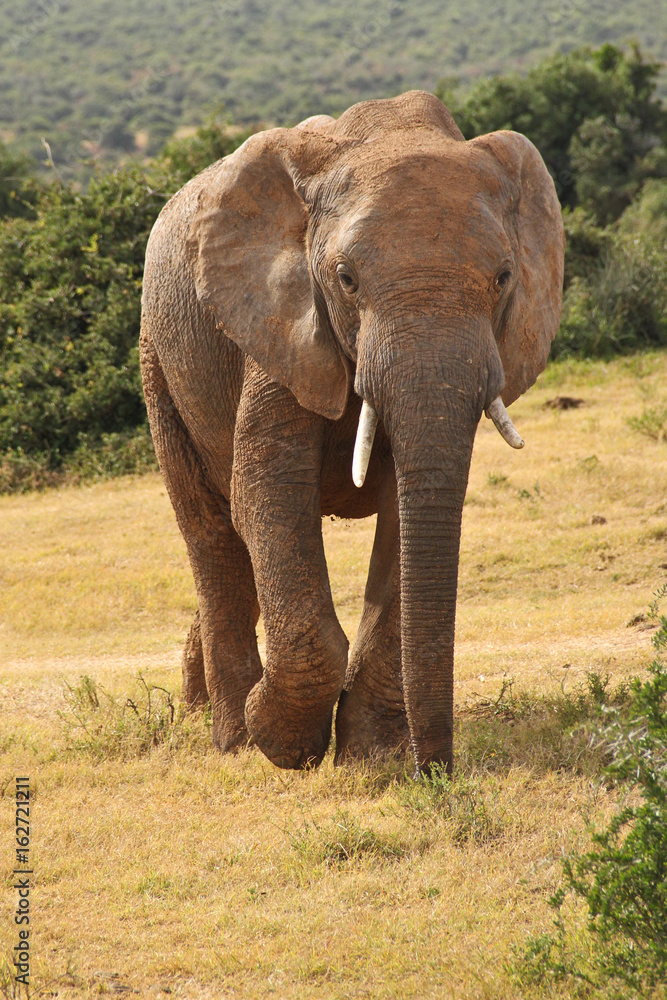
(403, 198)
(412, 166)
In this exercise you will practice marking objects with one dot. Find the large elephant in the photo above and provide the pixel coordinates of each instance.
(377, 258)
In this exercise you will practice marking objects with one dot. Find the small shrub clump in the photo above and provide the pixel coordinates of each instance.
(652, 423)
(466, 808)
(341, 841)
(623, 878)
(104, 725)
(545, 732)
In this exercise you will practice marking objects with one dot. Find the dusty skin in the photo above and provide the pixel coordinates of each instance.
(379, 257)
(214, 877)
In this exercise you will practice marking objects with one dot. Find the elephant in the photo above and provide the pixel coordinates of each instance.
(345, 292)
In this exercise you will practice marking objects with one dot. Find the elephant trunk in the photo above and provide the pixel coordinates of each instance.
(430, 530)
(430, 404)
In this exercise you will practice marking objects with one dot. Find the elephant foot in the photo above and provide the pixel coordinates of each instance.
(228, 731)
(229, 739)
(290, 739)
(369, 726)
(195, 692)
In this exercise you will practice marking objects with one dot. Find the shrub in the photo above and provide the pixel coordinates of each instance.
(616, 298)
(623, 878)
(341, 841)
(652, 423)
(17, 192)
(467, 808)
(70, 288)
(104, 725)
(544, 732)
(594, 114)
(70, 306)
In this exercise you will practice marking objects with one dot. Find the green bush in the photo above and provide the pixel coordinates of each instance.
(70, 305)
(467, 808)
(594, 114)
(546, 732)
(615, 297)
(103, 725)
(17, 191)
(342, 841)
(70, 292)
(623, 878)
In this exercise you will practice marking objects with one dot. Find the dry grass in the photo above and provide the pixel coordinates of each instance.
(217, 877)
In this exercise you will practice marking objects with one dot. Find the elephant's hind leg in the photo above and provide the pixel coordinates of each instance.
(226, 645)
(371, 718)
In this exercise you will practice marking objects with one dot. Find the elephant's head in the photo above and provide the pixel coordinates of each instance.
(383, 252)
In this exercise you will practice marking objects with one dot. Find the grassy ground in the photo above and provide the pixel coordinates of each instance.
(177, 870)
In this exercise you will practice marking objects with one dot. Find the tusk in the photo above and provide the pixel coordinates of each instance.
(368, 420)
(501, 418)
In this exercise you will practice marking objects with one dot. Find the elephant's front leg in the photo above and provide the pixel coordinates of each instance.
(276, 510)
(371, 718)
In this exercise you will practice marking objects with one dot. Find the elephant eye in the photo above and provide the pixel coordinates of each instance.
(347, 280)
(503, 278)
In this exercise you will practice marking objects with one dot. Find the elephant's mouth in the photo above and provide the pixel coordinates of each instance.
(368, 420)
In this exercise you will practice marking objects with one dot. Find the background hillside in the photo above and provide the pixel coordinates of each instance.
(121, 77)
(71, 256)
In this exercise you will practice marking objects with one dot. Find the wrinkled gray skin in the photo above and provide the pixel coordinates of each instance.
(378, 257)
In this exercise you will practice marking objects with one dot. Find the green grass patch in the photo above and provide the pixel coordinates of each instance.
(102, 725)
(543, 732)
(341, 841)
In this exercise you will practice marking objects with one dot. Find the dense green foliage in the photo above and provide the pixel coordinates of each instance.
(70, 284)
(623, 878)
(17, 194)
(124, 79)
(593, 115)
(71, 258)
(70, 301)
(616, 281)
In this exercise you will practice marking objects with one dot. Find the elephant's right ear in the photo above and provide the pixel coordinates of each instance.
(248, 241)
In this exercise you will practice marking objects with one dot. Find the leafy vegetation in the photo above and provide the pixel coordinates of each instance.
(623, 878)
(652, 423)
(103, 725)
(70, 283)
(141, 71)
(71, 258)
(340, 841)
(594, 116)
(70, 304)
(16, 193)
(548, 733)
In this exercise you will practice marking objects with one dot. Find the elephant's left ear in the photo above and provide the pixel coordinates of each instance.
(532, 219)
(248, 243)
